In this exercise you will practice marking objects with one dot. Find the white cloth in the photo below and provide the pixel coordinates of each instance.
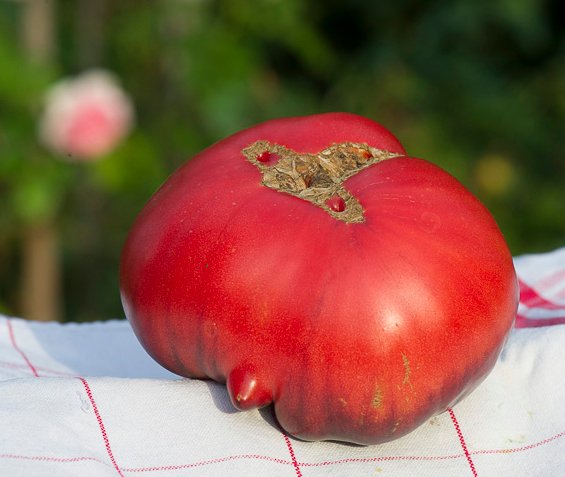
(86, 400)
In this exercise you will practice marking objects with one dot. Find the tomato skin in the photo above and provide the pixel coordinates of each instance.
(355, 331)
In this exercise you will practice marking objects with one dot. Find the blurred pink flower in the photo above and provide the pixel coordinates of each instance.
(85, 117)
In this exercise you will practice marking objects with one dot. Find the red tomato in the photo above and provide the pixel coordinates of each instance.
(309, 263)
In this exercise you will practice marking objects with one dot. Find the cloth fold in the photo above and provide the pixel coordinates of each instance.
(87, 400)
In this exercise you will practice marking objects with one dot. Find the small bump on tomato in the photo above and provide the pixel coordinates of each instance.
(336, 203)
(268, 158)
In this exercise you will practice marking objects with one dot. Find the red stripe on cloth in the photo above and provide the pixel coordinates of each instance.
(523, 448)
(532, 299)
(45, 458)
(462, 441)
(553, 279)
(101, 425)
(201, 463)
(523, 322)
(44, 370)
(19, 350)
(349, 460)
(292, 456)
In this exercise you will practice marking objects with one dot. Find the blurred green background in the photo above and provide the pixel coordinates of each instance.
(475, 87)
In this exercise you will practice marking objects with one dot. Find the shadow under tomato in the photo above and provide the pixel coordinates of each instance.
(221, 399)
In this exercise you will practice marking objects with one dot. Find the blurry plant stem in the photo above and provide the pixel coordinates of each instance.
(37, 30)
(41, 268)
(40, 274)
(90, 22)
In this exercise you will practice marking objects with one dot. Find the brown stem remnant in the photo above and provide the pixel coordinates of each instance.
(317, 178)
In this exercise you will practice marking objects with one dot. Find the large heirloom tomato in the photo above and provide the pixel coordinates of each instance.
(310, 263)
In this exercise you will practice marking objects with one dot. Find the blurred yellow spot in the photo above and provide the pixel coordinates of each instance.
(495, 174)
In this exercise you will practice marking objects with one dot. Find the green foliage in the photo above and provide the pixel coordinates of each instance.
(31, 182)
(476, 87)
